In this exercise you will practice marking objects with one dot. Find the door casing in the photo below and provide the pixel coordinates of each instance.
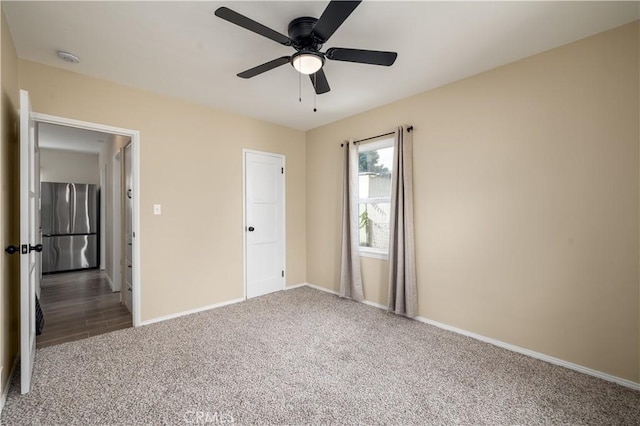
(125, 223)
(103, 217)
(135, 153)
(116, 235)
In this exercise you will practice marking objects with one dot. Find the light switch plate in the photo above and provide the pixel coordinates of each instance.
(157, 209)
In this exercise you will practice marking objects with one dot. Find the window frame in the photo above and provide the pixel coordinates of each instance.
(371, 252)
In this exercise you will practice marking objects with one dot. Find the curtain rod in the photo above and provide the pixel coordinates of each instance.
(410, 128)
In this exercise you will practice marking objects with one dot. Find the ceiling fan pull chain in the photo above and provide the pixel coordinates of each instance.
(299, 87)
(315, 94)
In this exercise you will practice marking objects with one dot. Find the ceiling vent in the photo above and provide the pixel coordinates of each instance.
(68, 57)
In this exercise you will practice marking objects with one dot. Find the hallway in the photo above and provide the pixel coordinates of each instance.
(77, 305)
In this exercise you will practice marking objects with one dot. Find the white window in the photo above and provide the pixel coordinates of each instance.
(375, 164)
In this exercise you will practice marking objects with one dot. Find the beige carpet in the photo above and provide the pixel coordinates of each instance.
(305, 357)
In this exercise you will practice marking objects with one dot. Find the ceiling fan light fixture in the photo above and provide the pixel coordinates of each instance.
(307, 62)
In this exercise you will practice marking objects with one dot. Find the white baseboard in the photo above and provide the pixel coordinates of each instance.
(191, 311)
(375, 305)
(534, 354)
(5, 390)
(110, 282)
(206, 308)
(510, 347)
(326, 290)
(291, 287)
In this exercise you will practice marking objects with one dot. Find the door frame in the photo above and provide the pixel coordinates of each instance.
(116, 234)
(103, 219)
(244, 215)
(123, 224)
(135, 149)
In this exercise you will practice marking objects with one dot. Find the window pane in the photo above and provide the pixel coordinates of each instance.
(375, 163)
(375, 173)
(374, 225)
(378, 161)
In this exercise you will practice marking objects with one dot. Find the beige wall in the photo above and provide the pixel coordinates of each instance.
(526, 202)
(9, 204)
(527, 197)
(191, 163)
(68, 166)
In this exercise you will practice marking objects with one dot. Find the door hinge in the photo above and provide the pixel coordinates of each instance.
(282, 169)
(282, 274)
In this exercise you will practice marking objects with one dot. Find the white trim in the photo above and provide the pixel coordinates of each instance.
(135, 141)
(291, 287)
(244, 225)
(534, 354)
(246, 151)
(103, 218)
(209, 307)
(5, 391)
(109, 281)
(374, 304)
(373, 253)
(192, 311)
(116, 222)
(552, 360)
(326, 290)
(87, 125)
(388, 142)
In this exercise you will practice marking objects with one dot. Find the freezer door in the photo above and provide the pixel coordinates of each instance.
(84, 211)
(67, 253)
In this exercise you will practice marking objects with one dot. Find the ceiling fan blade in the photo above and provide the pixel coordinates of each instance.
(264, 67)
(373, 57)
(319, 81)
(251, 25)
(332, 17)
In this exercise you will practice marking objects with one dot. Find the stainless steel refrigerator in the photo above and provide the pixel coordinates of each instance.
(69, 213)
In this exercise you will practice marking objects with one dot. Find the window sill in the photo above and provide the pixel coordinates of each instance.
(374, 254)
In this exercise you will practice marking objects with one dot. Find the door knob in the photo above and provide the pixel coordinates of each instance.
(12, 249)
(37, 248)
(251, 229)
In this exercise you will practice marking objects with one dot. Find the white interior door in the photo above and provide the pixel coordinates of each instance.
(38, 209)
(103, 218)
(264, 223)
(117, 218)
(29, 234)
(129, 235)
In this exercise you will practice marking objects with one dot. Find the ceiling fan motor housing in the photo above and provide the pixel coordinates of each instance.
(300, 33)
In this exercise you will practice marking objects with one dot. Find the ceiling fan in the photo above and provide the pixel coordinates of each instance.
(306, 36)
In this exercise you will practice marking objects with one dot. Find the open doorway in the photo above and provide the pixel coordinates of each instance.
(81, 212)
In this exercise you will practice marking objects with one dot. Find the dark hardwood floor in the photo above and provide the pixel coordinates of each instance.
(77, 305)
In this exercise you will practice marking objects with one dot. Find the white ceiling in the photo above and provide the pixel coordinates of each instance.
(181, 49)
(64, 138)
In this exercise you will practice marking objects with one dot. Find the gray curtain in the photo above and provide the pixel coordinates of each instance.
(403, 294)
(350, 277)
